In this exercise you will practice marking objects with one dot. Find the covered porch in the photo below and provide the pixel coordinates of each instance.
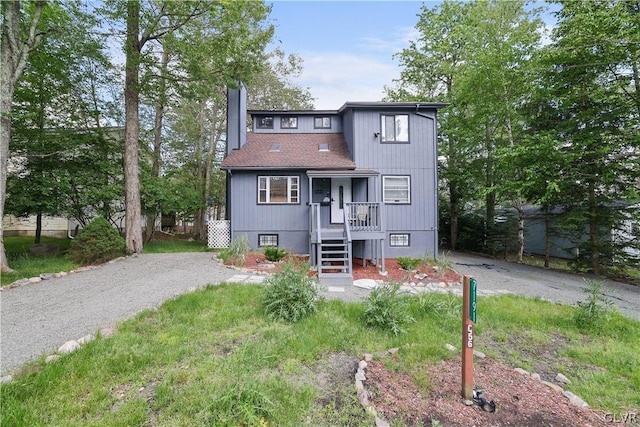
(345, 220)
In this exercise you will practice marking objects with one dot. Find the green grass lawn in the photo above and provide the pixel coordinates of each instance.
(213, 358)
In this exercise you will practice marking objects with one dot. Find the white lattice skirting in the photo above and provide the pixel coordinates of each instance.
(219, 234)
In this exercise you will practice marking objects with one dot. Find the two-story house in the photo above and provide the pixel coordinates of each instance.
(360, 181)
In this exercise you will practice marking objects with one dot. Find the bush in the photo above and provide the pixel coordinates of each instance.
(98, 242)
(290, 294)
(274, 254)
(594, 313)
(237, 251)
(386, 309)
(408, 263)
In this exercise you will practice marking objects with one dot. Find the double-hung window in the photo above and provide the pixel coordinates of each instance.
(396, 189)
(394, 128)
(278, 189)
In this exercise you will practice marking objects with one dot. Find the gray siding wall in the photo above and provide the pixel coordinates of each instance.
(416, 159)
(305, 124)
(349, 132)
(289, 221)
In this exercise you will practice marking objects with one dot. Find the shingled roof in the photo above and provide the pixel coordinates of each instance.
(291, 151)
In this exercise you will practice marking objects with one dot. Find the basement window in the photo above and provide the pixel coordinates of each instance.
(399, 239)
(267, 240)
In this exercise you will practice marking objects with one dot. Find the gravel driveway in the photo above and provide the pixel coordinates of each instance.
(37, 318)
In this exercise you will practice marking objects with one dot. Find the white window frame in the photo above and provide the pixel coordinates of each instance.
(264, 189)
(398, 240)
(388, 186)
(400, 131)
(325, 122)
(265, 240)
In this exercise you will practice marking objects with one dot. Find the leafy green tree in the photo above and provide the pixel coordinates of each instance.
(593, 80)
(51, 115)
(20, 35)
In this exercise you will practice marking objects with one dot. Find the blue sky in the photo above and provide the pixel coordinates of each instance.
(347, 46)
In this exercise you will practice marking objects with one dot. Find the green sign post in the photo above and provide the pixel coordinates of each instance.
(473, 287)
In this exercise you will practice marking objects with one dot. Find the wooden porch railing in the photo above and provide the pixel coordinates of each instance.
(363, 216)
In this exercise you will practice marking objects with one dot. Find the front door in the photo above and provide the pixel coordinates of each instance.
(340, 194)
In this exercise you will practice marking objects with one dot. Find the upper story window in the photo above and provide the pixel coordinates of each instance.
(322, 122)
(396, 189)
(288, 122)
(278, 189)
(395, 128)
(265, 122)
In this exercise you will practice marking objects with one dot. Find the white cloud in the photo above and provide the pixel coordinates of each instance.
(337, 77)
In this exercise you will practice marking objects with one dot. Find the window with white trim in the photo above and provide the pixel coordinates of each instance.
(396, 189)
(278, 189)
(267, 240)
(399, 239)
(394, 128)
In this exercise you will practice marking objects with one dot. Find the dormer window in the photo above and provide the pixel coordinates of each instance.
(322, 122)
(288, 122)
(265, 122)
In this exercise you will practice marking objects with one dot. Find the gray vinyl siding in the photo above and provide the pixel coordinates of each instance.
(416, 159)
(289, 221)
(348, 132)
(305, 124)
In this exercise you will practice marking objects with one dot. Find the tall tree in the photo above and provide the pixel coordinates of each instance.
(19, 38)
(593, 81)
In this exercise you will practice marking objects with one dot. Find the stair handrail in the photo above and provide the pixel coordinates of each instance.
(347, 233)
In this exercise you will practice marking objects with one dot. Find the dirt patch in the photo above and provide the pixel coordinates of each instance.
(520, 399)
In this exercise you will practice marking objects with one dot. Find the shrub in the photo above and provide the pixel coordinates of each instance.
(408, 263)
(274, 254)
(386, 309)
(97, 242)
(594, 313)
(237, 251)
(290, 294)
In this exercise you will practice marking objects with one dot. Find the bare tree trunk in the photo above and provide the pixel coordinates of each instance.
(133, 213)
(547, 238)
(157, 138)
(593, 230)
(14, 53)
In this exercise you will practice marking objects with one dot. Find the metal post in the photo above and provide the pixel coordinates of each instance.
(468, 317)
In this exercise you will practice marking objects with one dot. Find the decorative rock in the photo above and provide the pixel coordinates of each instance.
(575, 400)
(34, 279)
(368, 357)
(467, 402)
(6, 379)
(535, 376)
(359, 385)
(46, 276)
(442, 284)
(63, 273)
(363, 397)
(381, 423)
(362, 365)
(450, 347)
(383, 273)
(393, 350)
(360, 375)
(562, 379)
(52, 358)
(69, 347)
(553, 386)
(479, 354)
(365, 283)
(86, 339)
(521, 371)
